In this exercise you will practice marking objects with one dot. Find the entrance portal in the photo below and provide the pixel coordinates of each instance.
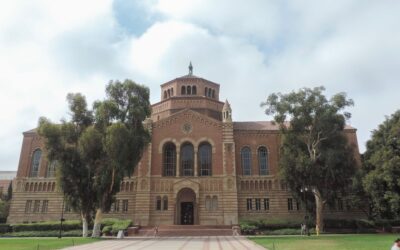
(187, 213)
(186, 207)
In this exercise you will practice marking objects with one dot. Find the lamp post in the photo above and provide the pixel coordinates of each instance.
(62, 216)
(304, 190)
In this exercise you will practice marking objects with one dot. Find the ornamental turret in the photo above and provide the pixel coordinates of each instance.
(227, 112)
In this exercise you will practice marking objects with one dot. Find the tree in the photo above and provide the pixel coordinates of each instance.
(314, 152)
(96, 149)
(64, 144)
(119, 120)
(382, 163)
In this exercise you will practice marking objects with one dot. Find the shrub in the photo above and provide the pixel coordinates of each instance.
(106, 230)
(4, 228)
(108, 221)
(47, 226)
(110, 225)
(120, 225)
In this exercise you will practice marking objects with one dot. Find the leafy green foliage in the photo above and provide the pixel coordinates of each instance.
(314, 152)
(382, 163)
(112, 226)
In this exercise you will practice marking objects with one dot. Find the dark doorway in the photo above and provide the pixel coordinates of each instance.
(187, 213)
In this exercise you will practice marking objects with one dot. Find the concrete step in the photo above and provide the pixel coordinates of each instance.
(183, 230)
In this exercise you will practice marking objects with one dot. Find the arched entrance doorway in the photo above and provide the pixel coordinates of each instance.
(186, 207)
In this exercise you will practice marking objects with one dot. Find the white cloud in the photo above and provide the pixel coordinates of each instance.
(252, 48)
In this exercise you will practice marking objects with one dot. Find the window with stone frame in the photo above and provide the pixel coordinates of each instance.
(116, 206)
(187, 162)
(165, 203)
(125, 206)
(36, 157)
(205, 159)
(183, 90)
(245, 155)
(28, 206)
(258, 204)
(266, 203)
(51, 169)
(208, 203)
(36, 206)
(290, 204)
(214, 203)
(45, 206)
(158, 203)
(194, 90)
(262, 154)
(249, 204)
(169, 159)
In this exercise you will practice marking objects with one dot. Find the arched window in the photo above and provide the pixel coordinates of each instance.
(165, 94)
(169, 93)
(263, 160)
(51, 169)
(213, 93)
(205, 91)
(187, 155)
(246, 160)
(37, 154)
(194, 90)
(172, 92)
(158, 203)
(209, 92)
(188, 90)
(183, 90)
(165, 203)
(169, 159)
(205, 163)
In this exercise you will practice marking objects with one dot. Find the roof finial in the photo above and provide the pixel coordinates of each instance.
(190, 69)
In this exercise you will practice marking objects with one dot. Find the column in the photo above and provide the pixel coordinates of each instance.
(178, 161)
(195, 163)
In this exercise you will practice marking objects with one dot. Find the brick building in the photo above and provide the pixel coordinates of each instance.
(200, 167)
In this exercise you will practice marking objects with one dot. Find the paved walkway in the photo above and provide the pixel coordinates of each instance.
(173, 243)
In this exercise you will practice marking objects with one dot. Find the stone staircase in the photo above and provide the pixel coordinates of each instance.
(181, 230)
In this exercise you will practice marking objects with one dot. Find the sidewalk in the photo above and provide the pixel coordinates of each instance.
(173, 243)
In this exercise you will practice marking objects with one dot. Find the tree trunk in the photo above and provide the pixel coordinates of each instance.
(319, 224)
(84, 226)
(97, 223)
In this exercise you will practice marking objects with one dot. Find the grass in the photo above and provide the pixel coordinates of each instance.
(328, 242)
(41, 243)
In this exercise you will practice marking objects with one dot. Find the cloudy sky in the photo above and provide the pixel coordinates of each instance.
(252, 48)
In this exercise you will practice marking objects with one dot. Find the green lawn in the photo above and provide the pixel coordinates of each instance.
(328, 242)
(40, 243)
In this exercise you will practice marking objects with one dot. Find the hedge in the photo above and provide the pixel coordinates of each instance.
(47, 226)
(5, 228)
(50, 233)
